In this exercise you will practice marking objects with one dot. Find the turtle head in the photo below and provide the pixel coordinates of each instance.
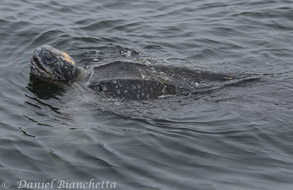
(50, 63)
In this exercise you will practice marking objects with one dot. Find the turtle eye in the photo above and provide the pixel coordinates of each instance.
(51, 60)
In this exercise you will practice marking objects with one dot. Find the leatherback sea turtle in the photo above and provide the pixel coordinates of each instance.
(125, 79)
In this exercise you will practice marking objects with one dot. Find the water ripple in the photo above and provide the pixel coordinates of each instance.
(238, 137)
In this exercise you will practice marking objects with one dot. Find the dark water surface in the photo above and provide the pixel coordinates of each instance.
(236, 138)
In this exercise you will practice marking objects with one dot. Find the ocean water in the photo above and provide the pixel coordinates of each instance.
(236, 138)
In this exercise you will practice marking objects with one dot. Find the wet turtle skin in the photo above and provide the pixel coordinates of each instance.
(122, 79)
(138, 81)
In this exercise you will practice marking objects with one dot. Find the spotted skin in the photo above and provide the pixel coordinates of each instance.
(140, 81)
(124, 79)
(135, 88)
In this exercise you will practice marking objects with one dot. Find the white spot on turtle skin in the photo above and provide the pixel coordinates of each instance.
(125, 92)
(164, 90)
(118, 91)
(133, 86)
(196, 84)
(116, 86)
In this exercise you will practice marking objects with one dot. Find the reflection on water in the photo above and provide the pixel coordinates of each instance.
(45, 89)
(237, 137)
